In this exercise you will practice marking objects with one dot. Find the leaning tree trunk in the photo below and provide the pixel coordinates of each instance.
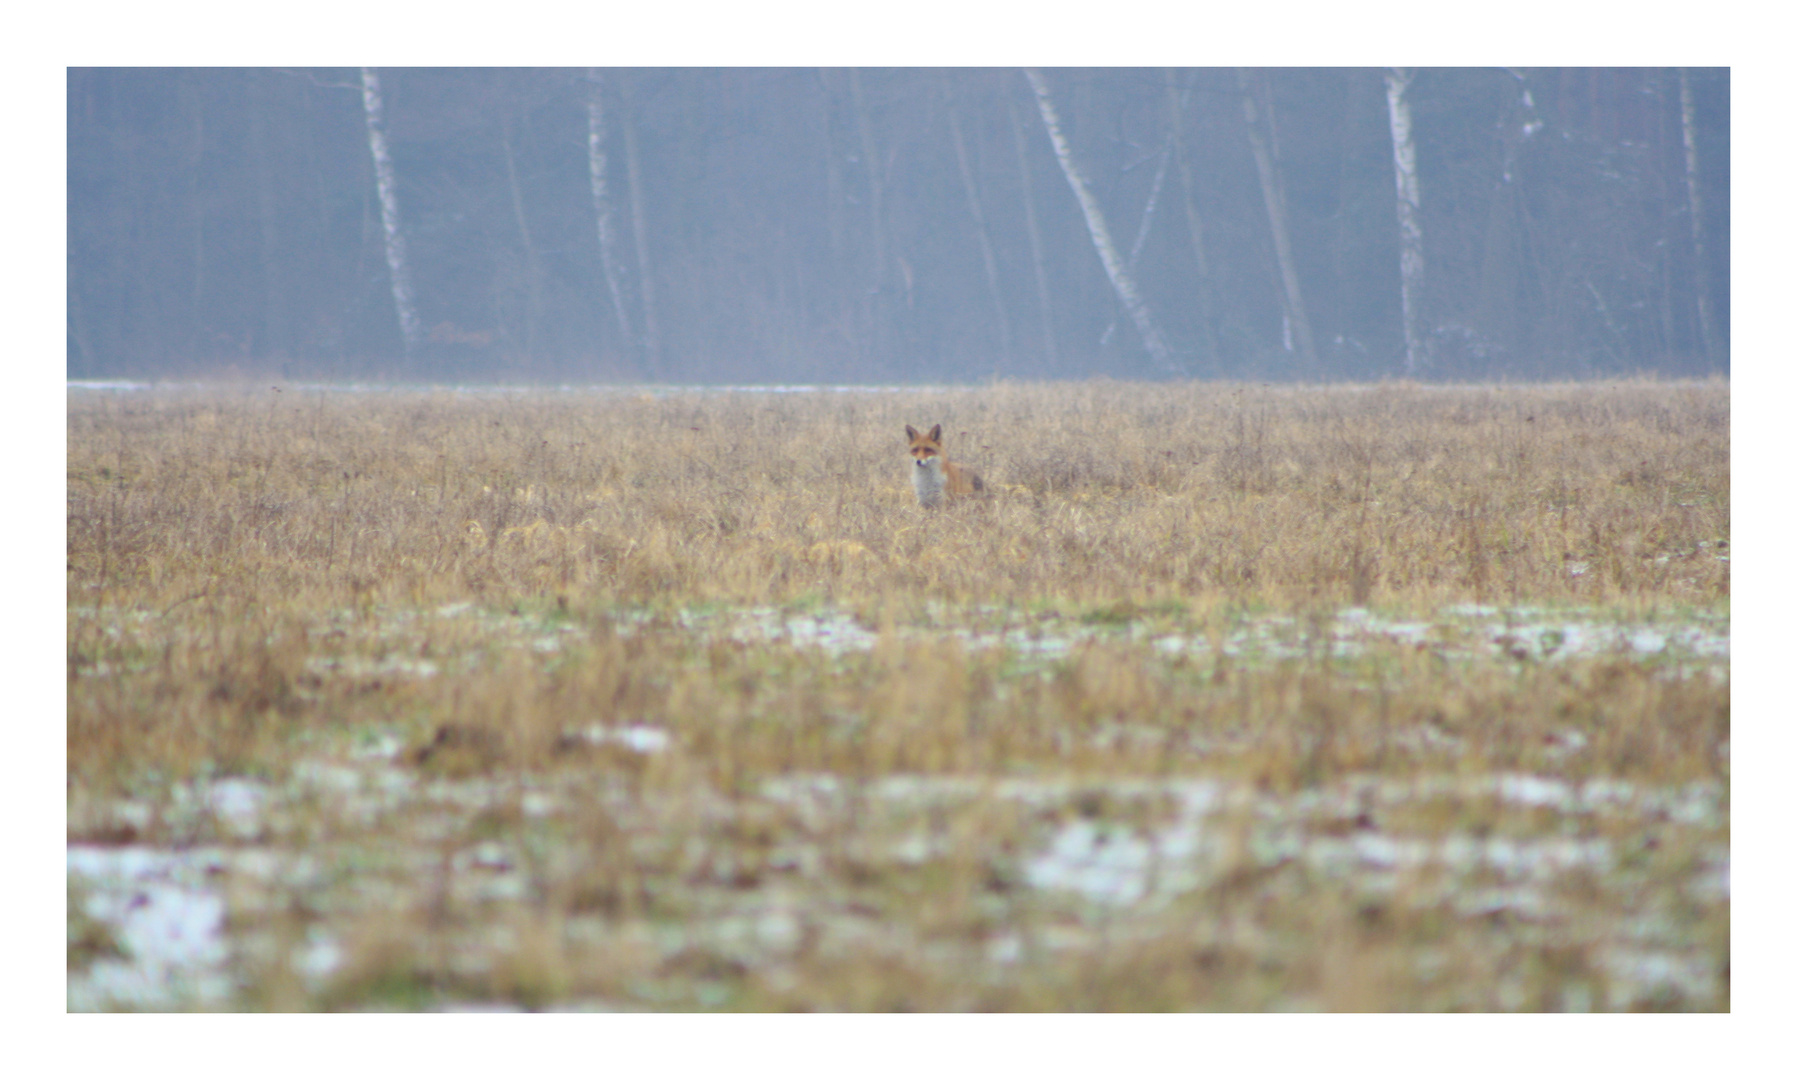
(1121, 279)
(878, 304)
(1410, 226)
(1498, 270)
(398, 270)
(1194, 224)
(639, 220)
(1029, 218)
(1272, 193)
(274, 293)
(533, 300)
(602, 209)
(1146, 225)
(975, 208)
(876, 179)
(1706, 318)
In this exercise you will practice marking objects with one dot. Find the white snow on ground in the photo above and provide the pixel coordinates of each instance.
(1640, 976)
(167, 920)
(237, 806)
(1119, 865)
(1465, 630)
(1116, 865)
(639, 737)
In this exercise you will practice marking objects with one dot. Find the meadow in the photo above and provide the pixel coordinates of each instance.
(1221, 697)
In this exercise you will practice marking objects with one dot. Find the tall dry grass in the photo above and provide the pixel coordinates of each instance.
(255, 577)
(1392, 496)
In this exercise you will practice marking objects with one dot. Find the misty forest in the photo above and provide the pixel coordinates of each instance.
(897, 226)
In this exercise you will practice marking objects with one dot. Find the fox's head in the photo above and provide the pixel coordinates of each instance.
(926, 449)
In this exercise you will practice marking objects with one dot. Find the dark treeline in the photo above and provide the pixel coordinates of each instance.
(908, 225)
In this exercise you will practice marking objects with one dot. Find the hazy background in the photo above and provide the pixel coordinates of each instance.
(806, 225)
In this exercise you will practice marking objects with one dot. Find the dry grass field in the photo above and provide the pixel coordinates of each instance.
(1222, 697)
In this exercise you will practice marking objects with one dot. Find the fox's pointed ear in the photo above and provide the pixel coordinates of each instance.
(936, 433)
(911, 432)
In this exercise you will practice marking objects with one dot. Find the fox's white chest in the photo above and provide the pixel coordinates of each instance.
(927, 480)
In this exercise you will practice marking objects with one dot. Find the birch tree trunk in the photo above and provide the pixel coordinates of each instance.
(1273, 195)
(1121, 279)
(398, 270)
(1154, 199)
(1410, 226)
(1706, 319)
(602, 209)
(1029, 218)
(979, 221)
(833, 183)
(1145, 225)
(196, 319)
(1498, 270)
(639, 220)
(274, 303)
(876, 185)
(532, 274)
(1194, 224)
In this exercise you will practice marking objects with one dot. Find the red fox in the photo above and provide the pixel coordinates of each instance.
(935, 473)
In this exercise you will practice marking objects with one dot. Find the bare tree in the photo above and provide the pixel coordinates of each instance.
(1498, 271)
(1706, 318)
(274, 323)
(1114, 266)
(398, 271)
(1410, 226)
(533, 304)
(876, 178)
(1146, 224)
(1272, 191)
(1029, 218)
(602, 208)
(1194, 224)
(196, 173)
(639, 220)
(834, 188)
(978, 212)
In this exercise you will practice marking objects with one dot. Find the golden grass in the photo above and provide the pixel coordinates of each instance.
(261, 582)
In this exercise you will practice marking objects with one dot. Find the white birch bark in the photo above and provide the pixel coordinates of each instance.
(1143, 227)
(1297, 321)
(1194, 224)
(1410, 200)
(876, 180)
(602, 208)
(639, 220)
(398, 270)
(833, 182)
(274, 303)
(1121, 279)
(533, 304)
(978, 211)
(1154, 198)
(1029, 218)
(1706, 319)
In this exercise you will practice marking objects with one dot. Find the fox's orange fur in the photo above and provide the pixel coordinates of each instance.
(933, 475)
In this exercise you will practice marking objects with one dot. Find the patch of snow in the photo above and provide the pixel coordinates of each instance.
(638, 737)
(318, 957)
(1533, 791)
(1105, 864)
(1639, 977)
(168, 922)
(237, 806)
